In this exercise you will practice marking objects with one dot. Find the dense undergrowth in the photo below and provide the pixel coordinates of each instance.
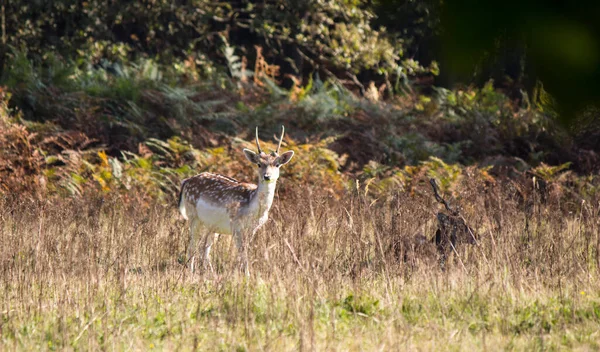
(78, 129)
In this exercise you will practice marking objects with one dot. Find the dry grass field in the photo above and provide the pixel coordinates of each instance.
(106, 274)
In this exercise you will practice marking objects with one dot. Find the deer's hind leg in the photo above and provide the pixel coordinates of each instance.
(193, 244)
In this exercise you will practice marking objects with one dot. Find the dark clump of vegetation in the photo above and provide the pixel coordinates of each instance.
(68, 129)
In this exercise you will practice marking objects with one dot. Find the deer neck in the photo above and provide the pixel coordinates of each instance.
(264, 195)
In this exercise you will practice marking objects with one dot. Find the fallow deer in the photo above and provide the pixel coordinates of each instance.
(224, 205)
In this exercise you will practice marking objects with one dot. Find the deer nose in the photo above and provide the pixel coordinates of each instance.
(267, 177)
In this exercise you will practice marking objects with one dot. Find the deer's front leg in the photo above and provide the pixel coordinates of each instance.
(210, 237)
(193, 245)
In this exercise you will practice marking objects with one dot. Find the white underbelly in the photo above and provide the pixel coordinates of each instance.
(214, 218)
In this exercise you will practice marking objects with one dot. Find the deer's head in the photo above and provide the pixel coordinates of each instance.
(268, 164)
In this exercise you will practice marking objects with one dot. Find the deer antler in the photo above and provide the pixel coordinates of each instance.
(439, 198)
(257, 143)
(280, 139)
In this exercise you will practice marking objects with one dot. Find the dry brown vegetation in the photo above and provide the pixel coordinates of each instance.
(348, 274)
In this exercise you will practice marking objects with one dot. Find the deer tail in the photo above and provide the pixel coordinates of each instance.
(181, 204)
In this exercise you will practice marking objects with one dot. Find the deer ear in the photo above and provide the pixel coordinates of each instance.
(285, 157)
(252, 156)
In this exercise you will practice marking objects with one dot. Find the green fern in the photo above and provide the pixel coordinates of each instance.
(234, 63)
(447, 175)
(551, 173)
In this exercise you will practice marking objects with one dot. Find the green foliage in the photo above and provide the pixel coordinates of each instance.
(338, 39)
(317, 165)
(551, 173)
(335, 38)
(415, 147)
(143, 98)
(324, 101)
(361, 305)
(234, 63)
(446, 175)
(105, 29)
(156, 110)
(349, 42)
(180, 102)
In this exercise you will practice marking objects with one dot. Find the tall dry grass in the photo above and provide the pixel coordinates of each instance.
(106, 274)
